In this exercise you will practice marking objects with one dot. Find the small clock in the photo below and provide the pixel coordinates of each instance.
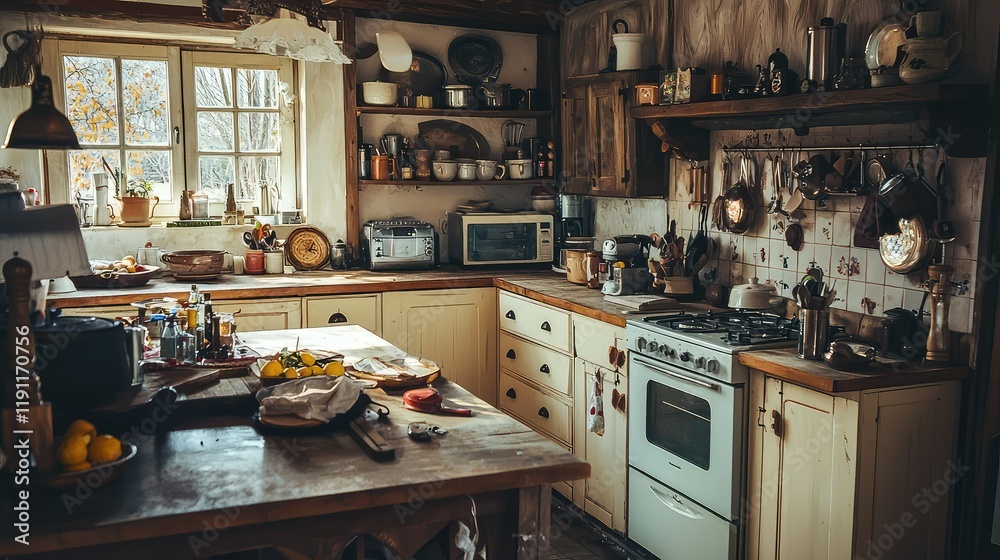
(307, 248)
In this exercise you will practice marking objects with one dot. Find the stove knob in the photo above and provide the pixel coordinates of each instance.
(669, 352)
(699, 362)
(665, 350)
(712, 366)
(640, 344)
(685, 356)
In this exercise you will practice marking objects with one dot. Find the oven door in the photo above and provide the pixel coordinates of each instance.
(686, 431)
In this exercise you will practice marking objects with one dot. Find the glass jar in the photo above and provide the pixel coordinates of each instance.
(199, 206)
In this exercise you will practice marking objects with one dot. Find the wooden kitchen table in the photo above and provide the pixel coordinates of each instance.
(213, 485)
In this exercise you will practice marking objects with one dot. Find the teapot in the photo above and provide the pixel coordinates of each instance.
(925, 59)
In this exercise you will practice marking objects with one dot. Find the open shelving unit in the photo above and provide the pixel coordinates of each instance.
(452, 113)
(500, 183)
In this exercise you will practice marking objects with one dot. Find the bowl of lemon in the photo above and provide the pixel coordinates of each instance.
(88, 458)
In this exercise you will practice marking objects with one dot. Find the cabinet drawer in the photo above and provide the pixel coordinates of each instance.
(364, 310)
(537, 363)
(593, 338)
(536, 321)
(538, 410)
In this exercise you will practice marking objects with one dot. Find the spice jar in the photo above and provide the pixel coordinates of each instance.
(274, 261)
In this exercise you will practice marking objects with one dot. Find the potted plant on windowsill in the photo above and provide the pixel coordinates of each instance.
(135, 203)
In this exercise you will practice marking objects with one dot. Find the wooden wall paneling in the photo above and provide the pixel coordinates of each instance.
(587, 33)
(353, 224)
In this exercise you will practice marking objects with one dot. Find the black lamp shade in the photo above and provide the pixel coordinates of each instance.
(42, 127)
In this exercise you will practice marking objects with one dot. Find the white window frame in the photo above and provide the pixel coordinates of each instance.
(287, 116)
(183, 115)
(58, 162)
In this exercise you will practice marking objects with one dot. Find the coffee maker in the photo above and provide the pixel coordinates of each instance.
(574, 216)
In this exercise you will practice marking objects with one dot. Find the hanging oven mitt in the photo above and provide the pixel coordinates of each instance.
(595, 409)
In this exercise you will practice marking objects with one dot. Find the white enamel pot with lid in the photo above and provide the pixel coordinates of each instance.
(754, 295)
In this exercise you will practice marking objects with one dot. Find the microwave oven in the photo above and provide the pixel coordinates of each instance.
(491, 238)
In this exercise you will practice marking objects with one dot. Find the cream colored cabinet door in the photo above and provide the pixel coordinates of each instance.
(364, 310)
(604, 493)
(105, 312)
(803, 456)
(263, 314)
(457, 329)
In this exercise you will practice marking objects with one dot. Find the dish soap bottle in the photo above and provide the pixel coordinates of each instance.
(168, 340)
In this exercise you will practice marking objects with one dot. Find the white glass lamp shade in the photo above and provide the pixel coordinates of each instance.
(292, 38)
(394, 51)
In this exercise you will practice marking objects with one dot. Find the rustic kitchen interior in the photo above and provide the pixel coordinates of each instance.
(449, 279)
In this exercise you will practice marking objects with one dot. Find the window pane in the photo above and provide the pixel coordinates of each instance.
(152, 166)
(257, 88)
(213, 87)
(259, 132)
(84, 162)
(92, 98)
(144, 102)
(215, 174)
(215, 131)
(255, 171)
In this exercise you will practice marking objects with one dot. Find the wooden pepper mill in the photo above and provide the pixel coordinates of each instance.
(23, 414)
(939, 285)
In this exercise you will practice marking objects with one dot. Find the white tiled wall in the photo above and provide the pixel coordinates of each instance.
(863, 283)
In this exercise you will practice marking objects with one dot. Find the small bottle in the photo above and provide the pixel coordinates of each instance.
(187, 353)
(230, 198)
(168, 340)
(207, 315)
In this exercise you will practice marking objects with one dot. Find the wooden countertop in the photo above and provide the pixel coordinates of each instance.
(785, 364)
(211, 465)
(541, 285)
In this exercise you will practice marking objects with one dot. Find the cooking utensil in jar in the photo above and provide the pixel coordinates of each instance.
(428, 399)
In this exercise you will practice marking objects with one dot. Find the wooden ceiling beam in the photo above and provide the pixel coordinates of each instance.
(120, 9)
(529, 16)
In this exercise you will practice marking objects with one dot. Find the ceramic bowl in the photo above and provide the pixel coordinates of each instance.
(444, 169)
(194, 263)
(544, 204)
(379, 93)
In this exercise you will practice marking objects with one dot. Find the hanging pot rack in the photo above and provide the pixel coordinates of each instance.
(844, 147)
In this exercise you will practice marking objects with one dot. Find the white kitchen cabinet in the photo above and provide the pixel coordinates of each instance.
(105, 312)
(263, 314)
(536, 321)
(843, 476)
(604, 494)
(457, 329)
(364, 310)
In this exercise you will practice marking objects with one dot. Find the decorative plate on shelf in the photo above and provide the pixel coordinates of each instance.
(884, 42)
(475, 59)
(307, 248)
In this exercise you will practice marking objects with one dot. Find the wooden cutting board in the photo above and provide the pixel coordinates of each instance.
(184, 380)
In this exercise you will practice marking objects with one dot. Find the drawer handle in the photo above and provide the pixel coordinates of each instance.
(337, 318)
(511, 354)
(543, 412)
(511, 393)
(544, 368)
(510, 315)
(546, 327)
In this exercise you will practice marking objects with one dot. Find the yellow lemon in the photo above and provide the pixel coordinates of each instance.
(81, 466)
(315, 370)
(271, 369)
(334, 369)
(73, 450)
(291, 373)
(81, 428)
(305, 371)
(307, 359)
(104, 449)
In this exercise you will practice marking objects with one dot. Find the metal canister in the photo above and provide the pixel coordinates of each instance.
(365, 161)
(826, 46)
(813, 325)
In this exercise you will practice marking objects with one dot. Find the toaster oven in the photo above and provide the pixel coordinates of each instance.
(491, 238)
(399, 245)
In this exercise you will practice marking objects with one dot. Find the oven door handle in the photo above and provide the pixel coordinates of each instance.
(692, 380)
(673, 504)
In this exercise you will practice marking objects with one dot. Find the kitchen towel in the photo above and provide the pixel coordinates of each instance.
(595, 409)
(319, 398)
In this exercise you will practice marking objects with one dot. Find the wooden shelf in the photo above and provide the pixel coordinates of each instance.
(453, 113)
(503, 183)
(864, 106)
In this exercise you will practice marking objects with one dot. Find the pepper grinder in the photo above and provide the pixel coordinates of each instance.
(939, 286)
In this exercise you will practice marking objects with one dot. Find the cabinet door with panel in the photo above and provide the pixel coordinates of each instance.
(576, 141)
(609, 148)
(364, 310)
(263, 314)
(604, 494)
(802, 475)
(457, 329)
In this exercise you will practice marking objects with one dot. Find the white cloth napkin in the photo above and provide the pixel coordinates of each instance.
(314, 398)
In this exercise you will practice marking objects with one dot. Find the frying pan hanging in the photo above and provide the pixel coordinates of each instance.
(739, 208)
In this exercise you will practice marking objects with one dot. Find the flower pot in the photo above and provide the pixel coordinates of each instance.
(136, 210)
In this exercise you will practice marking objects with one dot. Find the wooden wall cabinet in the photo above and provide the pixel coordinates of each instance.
(845, 476)
(605, 152)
